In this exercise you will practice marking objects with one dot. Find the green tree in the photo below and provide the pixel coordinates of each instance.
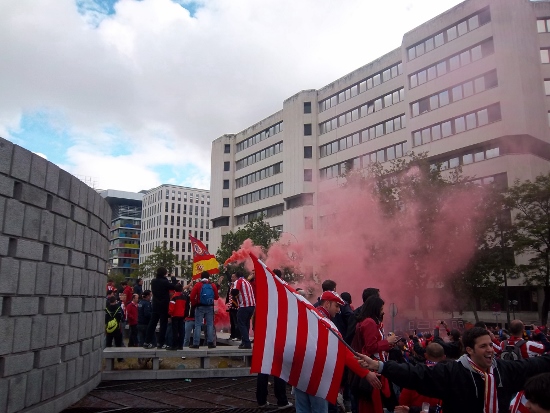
(530, 235)
(161, 257)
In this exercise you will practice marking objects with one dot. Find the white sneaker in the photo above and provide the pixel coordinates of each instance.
(234, 339)
(284, 407)
(264, 406)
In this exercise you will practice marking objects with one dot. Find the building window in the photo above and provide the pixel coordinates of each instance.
(263, 193)
(308, 152)
(226, 166)
(544, 56)
(270, 212)
(307, 107)
(308, 175)
(226, 202)
(543, 25)
(259, 137)
(547, 87)
(307, 129)
(227, 148)
(226, 184)
(260, 155)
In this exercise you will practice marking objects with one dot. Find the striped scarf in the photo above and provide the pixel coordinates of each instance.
(490, 404)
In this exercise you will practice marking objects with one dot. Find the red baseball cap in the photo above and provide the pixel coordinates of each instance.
(332, 296)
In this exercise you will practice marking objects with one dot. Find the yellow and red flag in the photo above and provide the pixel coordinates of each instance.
(202, 259)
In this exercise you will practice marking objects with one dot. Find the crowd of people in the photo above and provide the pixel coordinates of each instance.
(485, 370)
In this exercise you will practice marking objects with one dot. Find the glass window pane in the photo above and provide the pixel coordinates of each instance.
(355, 139)
(397, 123)
(492, 153)
(446, 129)
(462, 28)
(468, 89)
(439, 40)
(434, 102)
(364, 135)
(473, 22)
(354, 90)
(373, 157)
(421, 77)
(471, 121)
(436, 132)
(362, 86)
(451, 33)
(432, 74)
(429, 43)
(454, 162)
(465, 58)
(343, 144)
(417, 138)
(376, 80)
(388, 100)
(369, 83)
(378, 104)
(420, 49)
(414, 81)
(441, 68)
(386, 75)
(454, 62)
(380, 156)
(457, 93)
(341, 97)
(479, 156)
(390, 153)
(482, 117)
(394, 71)
(467, 159)
(370, 108)
(547, 87)
(476, 53)
(544, 58)
(444, 98)
(426, 135)
(541, 26)
(460, 124)
(389, 126)
(415, 109)
(479, 84)
(398, 151)
(379, 130)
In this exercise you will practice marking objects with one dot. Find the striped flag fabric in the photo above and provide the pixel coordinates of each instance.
(292, 341)
(202, 259)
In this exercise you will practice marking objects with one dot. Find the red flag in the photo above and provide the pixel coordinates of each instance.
(293, 342)
(202, 259)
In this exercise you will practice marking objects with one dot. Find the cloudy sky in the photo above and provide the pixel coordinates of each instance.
(130, 93)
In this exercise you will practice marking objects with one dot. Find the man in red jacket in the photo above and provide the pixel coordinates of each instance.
(132, 320)
(203, 296)
(127, 291)
(176, 309)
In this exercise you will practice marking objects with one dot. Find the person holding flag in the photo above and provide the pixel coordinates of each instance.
(202, 259)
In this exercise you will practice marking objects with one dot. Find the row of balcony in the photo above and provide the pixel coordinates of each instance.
(124, 255)
(124, 245)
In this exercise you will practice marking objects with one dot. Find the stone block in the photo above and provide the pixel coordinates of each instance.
(58, 255)
(84, 284)
(61, 207)
(3, 383)
(80, 215)
(94, 243)
(77, 259)
(97, 342)
(53, 305)
(19, 306)
(6, 154)
(90, 194)
(29, 250)
(95, 223)
(64, 187)
(97, 200)
(75, 190)
(61, 379)
(14, 215)
(39, 169)
(9, 274)
(70, 235)
(83, 195)
(56, 280)
(86, 367)
(89, 304)
(21, 164)
(7, 326)
(47, 357)
(46, 227)
(43, 278)
(74, 305)
(52, 330)
(88, 331)
(13, 364)
(4, 245)
(87, 240)
(17, 391)
(86, 346)
(68, 274)
(31, 222)
(52, 178)
(34, 196)
(39, 324)
(64, 328)
(70, 351)
(77, 281)
(2, 212)
(71, 373)
(82, 326)
(22, 334)
(27, 276)
(79, 237)
(73, 336)
(59, 230)
(6, 186)
(34, 390)
(79, 366)
(48, 382)
(100, 304)
(91, 263)
(104, 231)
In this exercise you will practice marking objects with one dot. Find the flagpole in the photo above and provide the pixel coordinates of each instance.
(355, 353)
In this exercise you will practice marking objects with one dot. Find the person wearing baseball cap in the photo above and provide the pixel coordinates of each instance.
(329, 304)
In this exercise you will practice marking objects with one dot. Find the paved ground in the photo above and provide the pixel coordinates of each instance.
(236, 395)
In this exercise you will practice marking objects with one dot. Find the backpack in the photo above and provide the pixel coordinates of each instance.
(512, 352)
(112, 324)
(207, 294)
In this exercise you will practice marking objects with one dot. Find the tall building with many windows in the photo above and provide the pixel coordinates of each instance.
(470, 87)
(170, 212)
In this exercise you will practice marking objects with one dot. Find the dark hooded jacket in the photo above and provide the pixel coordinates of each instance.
(460, 388)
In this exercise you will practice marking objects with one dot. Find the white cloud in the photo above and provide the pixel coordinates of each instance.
(169, 83)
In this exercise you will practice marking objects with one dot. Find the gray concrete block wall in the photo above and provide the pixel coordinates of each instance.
(53, 251)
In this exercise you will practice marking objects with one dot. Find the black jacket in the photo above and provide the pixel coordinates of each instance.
(160, 288)
(461, 389)
(452, 349)
(144, 312)
(116, 311)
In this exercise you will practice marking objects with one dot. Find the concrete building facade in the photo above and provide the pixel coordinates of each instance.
(470, 87)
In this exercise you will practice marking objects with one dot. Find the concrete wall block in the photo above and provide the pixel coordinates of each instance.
(14, 215)
(16, 392)
(39, 169)
(77, 259)
(104, 230)
(58, 255)
(3, 383)
(7, 326)
(83, 195)
(97, 342)
(74, 305)
(39, 324)
(56, 280)
(53, 305)
(90, 202)
(92, 284)
(61, 207)
(6, 186)
(64, 328)
(52, 330)
(97, 201)
(2, 211)
(19, 306)
(21, 164)
(100, 304)
(94, 243)
(30, 250)
(73, 336)
(46, 227)
(95, 223)
(59, 230)
(87, 240)
(9, 274)
(97, 319)
(79, 367)
(86, 366)
(52, 178)
(74, 190)
(70, 351)
(84, 284)
(68, 274)
(79, 237)
(88, 332)
(6, 153)
(47, 357)
(27, 276)
(70, 235)
(34, 390)
(89, 304)
(48, 382)
(31, 223)
(82, 326)
(71, 373)
(64, 186)
(16, 364)
(4, 245)
(61, 379)
(91, 263)
(22, 334)
(86, 346)
(95, 364)
(77, 281)
(43, 278)
(80, 215)
(33, 195)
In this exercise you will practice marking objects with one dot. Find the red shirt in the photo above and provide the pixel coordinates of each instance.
(132, 314)
(176, 308)
(246, 293)
(128, 291)
(196, 292)
(411, 398)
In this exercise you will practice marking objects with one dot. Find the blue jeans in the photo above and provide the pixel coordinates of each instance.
(244, 314)
(306, 403)
(204, 312)
(189, 326)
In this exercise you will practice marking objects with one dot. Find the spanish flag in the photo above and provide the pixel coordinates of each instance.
(202, 259)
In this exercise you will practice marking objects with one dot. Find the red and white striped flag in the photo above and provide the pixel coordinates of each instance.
(293, 342)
